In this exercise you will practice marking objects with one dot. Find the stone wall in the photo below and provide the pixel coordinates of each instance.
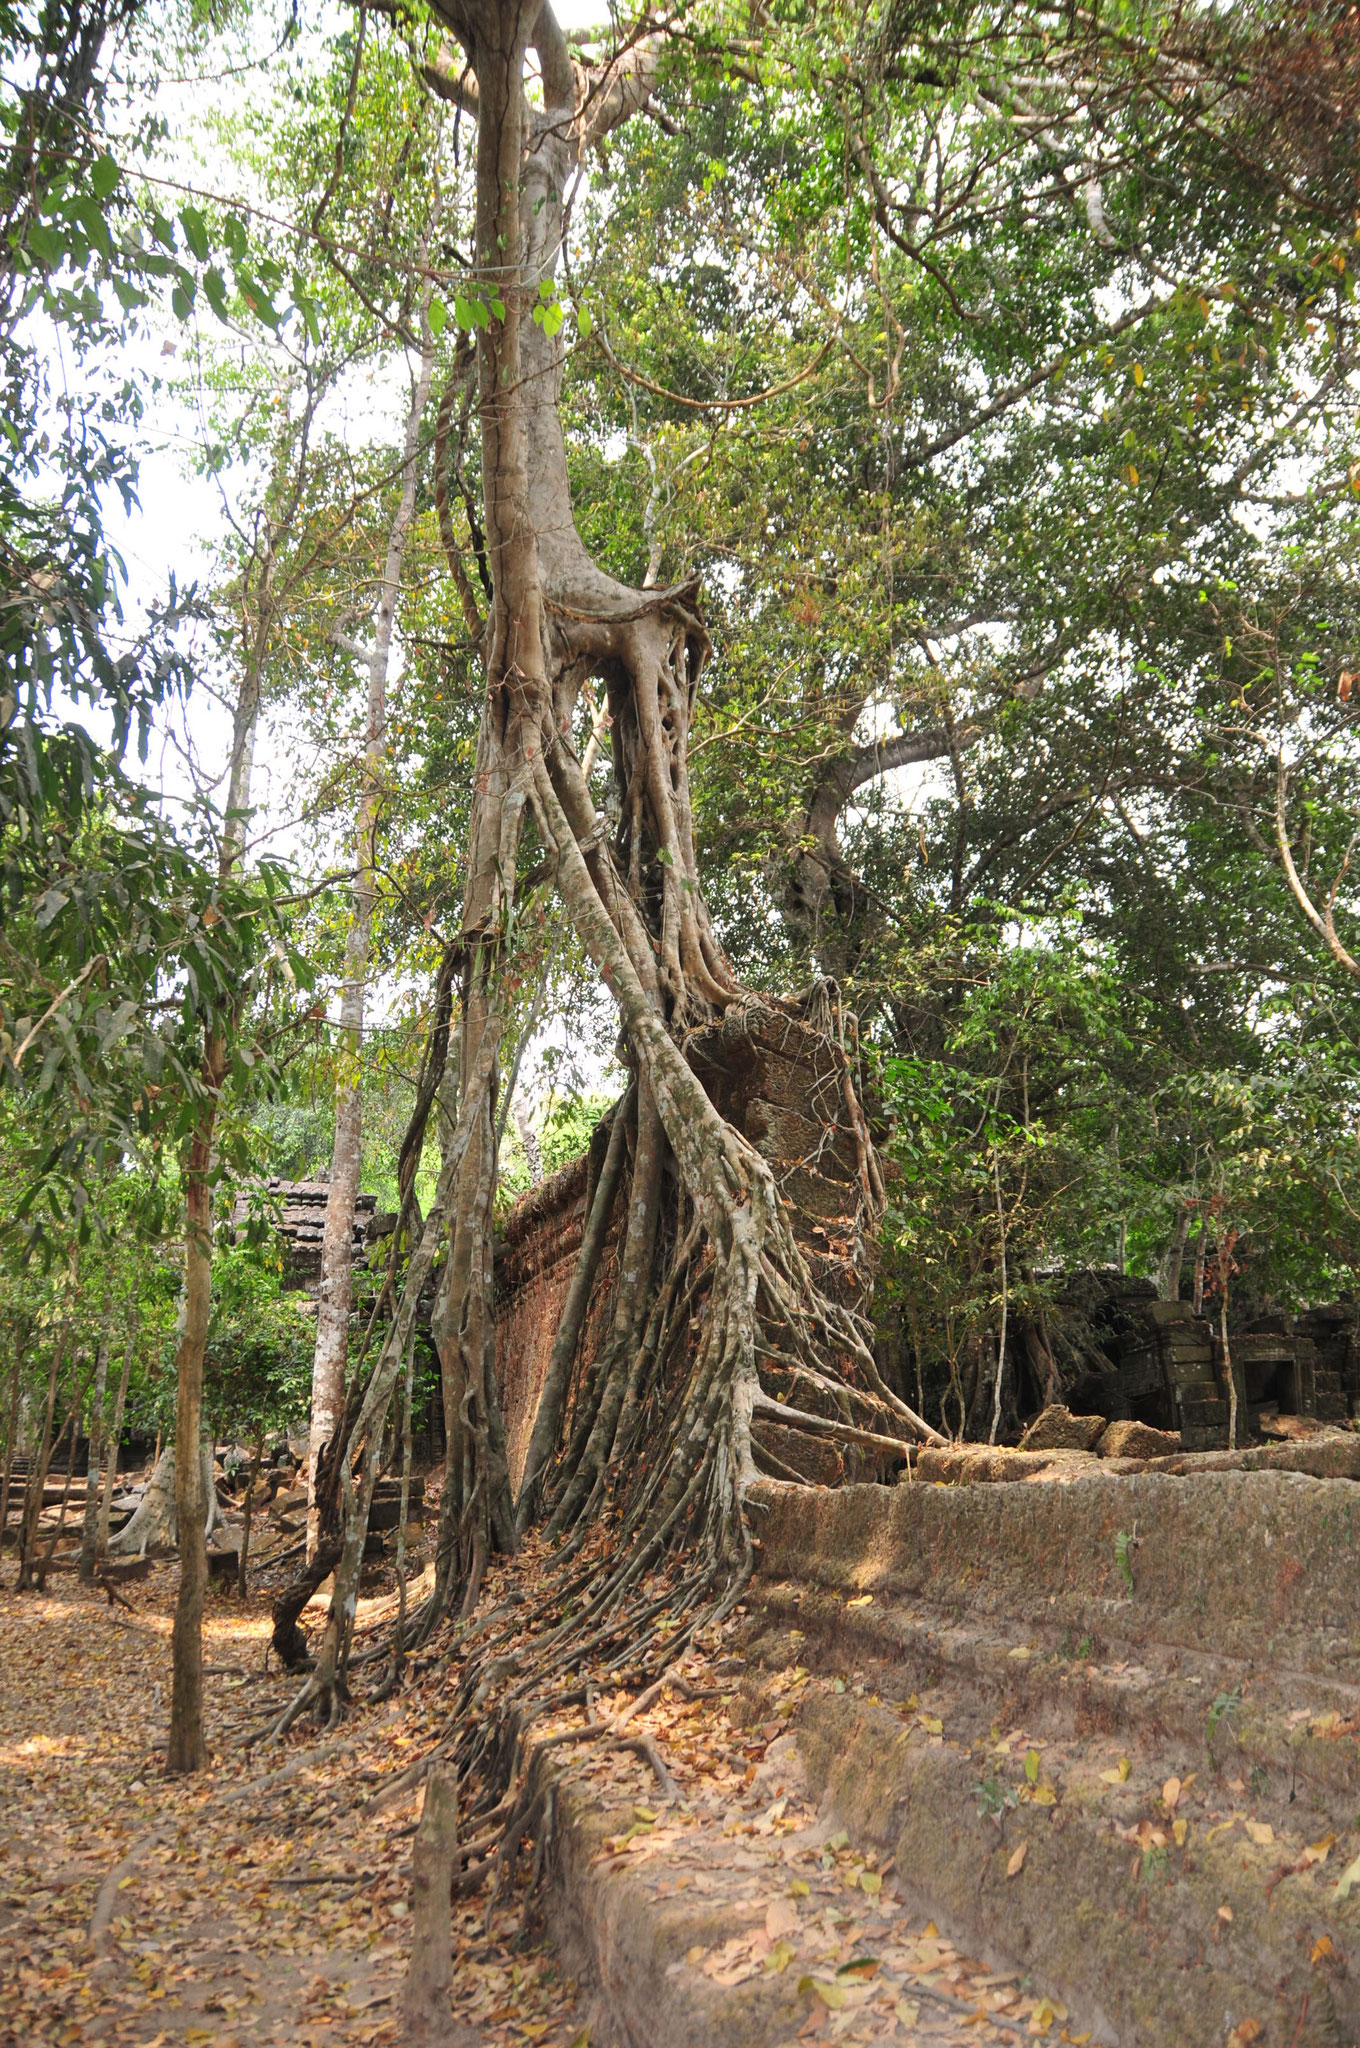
(782, 1083)
(535, 1259)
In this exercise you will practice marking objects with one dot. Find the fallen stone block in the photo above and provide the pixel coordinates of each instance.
(980, 1464)
(1137, 1440)
(1058, 1429)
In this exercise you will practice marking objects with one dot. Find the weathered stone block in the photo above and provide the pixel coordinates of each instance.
(1137, 1440)
(1058, 1429)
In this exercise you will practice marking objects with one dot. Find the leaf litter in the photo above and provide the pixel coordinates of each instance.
(266, 1901)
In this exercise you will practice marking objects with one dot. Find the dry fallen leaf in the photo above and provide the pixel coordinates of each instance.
(781, 1918)
(1260, 1831)
(832, 1996)
(1171, 1792)
(1323, 1947)
(1017, 1859)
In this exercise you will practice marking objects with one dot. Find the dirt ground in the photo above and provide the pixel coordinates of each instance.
(266, 1901)
(255, 1904)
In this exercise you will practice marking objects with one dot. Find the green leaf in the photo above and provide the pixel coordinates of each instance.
(257, 301)
(438, 317)
(195, 231)
(104, 176)
(45, 243)
(215, 287)
(310, 309)
(584, 323)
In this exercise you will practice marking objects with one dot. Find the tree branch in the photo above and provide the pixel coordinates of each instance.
(1324, 924)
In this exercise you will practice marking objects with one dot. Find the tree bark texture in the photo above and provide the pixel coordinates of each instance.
(94, 1456)
(187, 1749)
(37, 1478)
(429, 1973)
(11, 1428)
(115, 1434)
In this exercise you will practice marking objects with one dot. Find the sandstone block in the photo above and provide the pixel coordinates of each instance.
(1058, 1429)
(1137, 1440)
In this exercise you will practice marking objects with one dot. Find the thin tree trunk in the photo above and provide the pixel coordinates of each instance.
(1201, 1247)
(1224, 1262)
(95, 1453)
(37, 1478)
(115, 1433)
(324, 1686)
(252, 1480)
(187, 1750)
(337, 1248)
(1228, 1369)
(73, 1424)
(399, 1637)
(11, 1437)
(432, 1869)
(1005, 1299)
(1170, 1279)
(552, 1400)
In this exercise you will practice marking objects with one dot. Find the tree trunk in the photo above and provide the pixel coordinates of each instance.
(432, 1869)
(154, 1524)
(11, 1434)
(341, 1545)
(247, 1515)
(94, 1456)
(37, 1478)
(115, 1433)
(187, 1750)
(632, 895)
(335, 1291)
(1169, 1280)
(73, 1424)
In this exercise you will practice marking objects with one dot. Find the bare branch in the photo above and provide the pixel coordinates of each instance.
(1323, 923)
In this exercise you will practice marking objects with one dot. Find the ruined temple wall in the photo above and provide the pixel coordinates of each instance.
(782, 1084)
(535, 1262)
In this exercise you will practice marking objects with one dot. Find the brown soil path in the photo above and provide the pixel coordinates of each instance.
(256, 1904)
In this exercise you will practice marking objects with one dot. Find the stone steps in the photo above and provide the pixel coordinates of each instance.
(1150, 1685)
(756, 1920)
